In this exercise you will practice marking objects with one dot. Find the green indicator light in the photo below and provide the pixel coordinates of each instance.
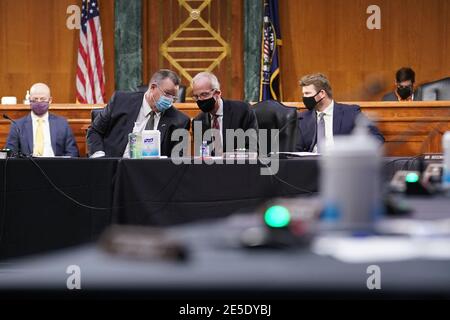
(277, 217)
(412, 177)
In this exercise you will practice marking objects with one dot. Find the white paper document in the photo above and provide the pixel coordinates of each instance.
(382, 248)
(298, 154)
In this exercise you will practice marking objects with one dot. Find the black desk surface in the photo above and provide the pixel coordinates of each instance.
(34, 217)
(161, 193)
(217, 267)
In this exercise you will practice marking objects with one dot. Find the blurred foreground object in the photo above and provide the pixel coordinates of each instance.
(141, 243)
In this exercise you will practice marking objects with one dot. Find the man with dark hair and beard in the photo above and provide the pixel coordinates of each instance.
(325, 118)
(405, 79)
(219, 114)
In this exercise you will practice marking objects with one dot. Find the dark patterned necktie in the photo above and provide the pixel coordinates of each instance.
(216, 136)
(151, 122)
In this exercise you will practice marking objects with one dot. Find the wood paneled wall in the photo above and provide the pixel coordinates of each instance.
(36, 46)
(331, 36)
(321, 35)
(410, 128)
(162, 18)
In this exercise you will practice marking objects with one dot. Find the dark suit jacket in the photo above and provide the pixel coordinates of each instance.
(344, 117)
(391, 96)
(63, 142)
(110, 129)
(236, 115)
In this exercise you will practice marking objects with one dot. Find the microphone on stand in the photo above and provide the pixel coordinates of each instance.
(18, 153)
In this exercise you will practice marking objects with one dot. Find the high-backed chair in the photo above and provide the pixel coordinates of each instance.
(272, 114)
(436, 90)
(181, 92)
(95, 113)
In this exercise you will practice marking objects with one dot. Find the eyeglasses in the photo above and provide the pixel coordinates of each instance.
(203, 95)
(168, 95)
(39, 100)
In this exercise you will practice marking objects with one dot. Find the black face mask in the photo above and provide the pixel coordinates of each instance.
(404, 92)
(310, 102)
(206, 105)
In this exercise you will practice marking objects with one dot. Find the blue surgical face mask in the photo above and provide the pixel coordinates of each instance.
(163, 104)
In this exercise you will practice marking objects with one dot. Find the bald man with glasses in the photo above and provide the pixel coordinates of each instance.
(42, 134)
(219, 114)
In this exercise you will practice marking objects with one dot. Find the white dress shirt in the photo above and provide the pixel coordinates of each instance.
(141, 122)
(48, 150)
(328, 118)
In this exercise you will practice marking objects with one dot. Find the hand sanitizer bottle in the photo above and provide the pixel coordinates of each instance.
(27, 98)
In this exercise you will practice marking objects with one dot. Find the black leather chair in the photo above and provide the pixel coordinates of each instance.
(95, 113)
(436, 90)
(181, 92)
(272, 114)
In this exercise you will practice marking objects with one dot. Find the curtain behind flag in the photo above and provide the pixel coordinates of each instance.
(270, 63)
(90, 73)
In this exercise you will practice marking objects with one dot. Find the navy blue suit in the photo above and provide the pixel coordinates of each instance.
(344, 118)
(21, 136)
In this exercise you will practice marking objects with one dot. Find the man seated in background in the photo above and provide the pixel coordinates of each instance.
(41, 133)
(129, 112)
(405, 79)
(325, 118)
(219, 114)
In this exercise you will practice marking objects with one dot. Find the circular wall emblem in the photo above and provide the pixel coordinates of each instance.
(195, 14)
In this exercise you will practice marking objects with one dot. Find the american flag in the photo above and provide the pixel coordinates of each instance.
(90, 73)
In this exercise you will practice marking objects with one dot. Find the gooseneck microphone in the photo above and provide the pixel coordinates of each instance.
(8, 118)
(17, 152)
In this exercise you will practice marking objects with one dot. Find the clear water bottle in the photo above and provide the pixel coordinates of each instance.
(204, 149)
(135, 141)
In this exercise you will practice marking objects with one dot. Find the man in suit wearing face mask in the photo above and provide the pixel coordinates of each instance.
(219, 114)
(41, 133)
(129, 112)
(405, 79)
(325, 118)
